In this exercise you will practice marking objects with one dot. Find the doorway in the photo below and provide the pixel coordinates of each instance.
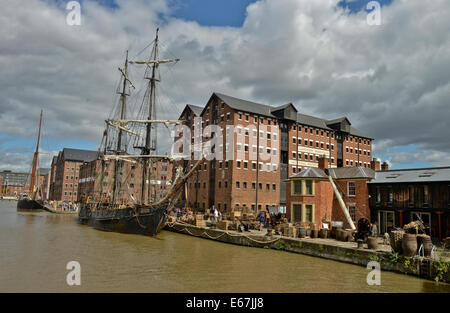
(386, 221)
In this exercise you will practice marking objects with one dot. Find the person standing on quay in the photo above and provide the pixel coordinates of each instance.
(261, 218)
(216, 215)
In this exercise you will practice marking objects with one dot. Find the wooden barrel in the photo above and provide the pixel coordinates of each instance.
(409, 245)
(395, 238)
(314, 233)
(323, 233)
(339, 234)
(301, 232)
(348, 236)
(334, 230)
(372, 243)
(425, 240)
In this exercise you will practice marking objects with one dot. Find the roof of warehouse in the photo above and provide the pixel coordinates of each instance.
(336, 173)
(79, 155)
(435, 174)
(266, 110)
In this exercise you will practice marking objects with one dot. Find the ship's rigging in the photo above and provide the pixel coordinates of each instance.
(123, 137)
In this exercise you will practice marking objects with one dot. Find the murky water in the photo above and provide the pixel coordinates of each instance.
(35, 248)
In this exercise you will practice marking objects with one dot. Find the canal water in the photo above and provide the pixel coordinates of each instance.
(36, 247)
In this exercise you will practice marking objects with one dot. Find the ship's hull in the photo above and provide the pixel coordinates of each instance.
(30, 205)
(146, 220)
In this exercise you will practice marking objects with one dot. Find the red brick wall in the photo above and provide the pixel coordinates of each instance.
(326, 203)
(361, 201)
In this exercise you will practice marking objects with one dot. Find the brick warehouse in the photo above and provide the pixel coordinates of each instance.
(65, 170)
(293, 141)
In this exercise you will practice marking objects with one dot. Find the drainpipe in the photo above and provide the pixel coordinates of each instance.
(342, 204)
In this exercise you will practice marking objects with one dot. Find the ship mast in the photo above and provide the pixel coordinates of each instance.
(33, 182)
(150, 146)
(123, 109)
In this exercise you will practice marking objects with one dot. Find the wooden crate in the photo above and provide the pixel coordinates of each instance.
(223, 225)
(199, 217)
(200, 223)
(236, 214)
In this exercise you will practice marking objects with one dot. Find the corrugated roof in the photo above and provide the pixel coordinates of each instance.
(437, 174)
(79, 155)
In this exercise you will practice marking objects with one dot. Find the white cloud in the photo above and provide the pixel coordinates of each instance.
(392, 81)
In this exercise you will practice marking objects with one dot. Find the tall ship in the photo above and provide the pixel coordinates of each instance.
(127, 154)
(33, 200)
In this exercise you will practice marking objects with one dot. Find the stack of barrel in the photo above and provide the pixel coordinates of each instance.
(341, 234)
(408, 244)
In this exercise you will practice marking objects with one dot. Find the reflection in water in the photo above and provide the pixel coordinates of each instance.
(35, 248)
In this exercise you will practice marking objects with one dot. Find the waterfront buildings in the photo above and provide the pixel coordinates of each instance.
(311, 197)
(398, 197)
(13, 183)
(65, 173)
(92, 187)
(259, 148)
(17, 183)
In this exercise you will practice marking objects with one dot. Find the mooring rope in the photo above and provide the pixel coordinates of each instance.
(186, 230)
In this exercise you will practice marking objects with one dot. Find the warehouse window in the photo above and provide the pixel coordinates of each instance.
(351, 189)
(309, 187)
(309, 213)
(391, 195)
(426, 194)
(297, 187)
(352, 211)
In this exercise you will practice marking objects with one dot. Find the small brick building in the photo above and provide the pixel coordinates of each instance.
(310, 196)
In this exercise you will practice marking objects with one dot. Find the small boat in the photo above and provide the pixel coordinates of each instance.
(33, 202)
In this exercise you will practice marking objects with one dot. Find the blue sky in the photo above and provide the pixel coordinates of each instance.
(206, 13)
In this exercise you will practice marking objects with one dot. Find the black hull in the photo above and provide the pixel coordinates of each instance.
(146, 221)
(30, 205)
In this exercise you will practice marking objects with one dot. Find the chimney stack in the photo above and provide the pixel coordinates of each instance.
(385, 167)
(323, 162)
(375, 164)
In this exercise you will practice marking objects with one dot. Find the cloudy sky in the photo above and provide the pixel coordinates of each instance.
(392, 80)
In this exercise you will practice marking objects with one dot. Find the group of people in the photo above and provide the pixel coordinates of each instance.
(62, 206)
